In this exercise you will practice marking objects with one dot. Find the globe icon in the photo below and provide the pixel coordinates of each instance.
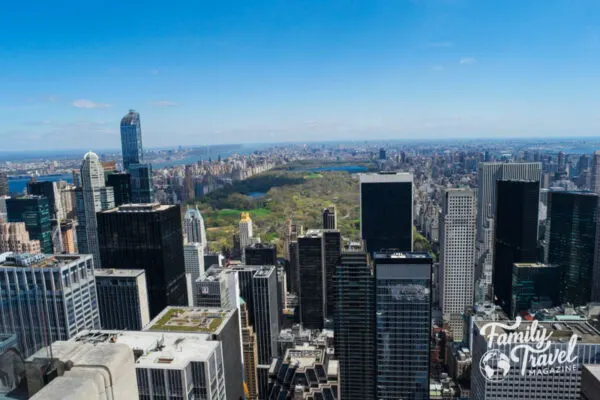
(494, 366)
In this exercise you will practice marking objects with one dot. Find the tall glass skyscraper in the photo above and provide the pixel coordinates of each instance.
(403, 324)
(34, 211)
(516, 223)
(386, 207)
(131, 139)
(354, 326)
(572, 236)
(148, 237)
(142, 190)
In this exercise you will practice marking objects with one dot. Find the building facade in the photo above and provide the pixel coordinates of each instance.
(121, 184)
(386, 211)
(329, 218)
(457, 256)
(535, 286)
(260, 254)
(46, 298)
(122, 298)
(515, 239)
(34, 211)
(403, 324)
(50, 191)
(310, 274)
(354, 329)
(193, 225)
(148, 237)
(572, 220)
(193, 256)
(245, 226)
(14, 237)
(92, 197)
(142, 189)
(249, 347)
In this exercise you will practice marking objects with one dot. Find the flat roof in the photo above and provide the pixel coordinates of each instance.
(533, 265)
(561, 331)
(190, 319)
(387, 177)
(401, 254)
(27, 260)
(305, 356)
(138, 208)
(119, 273)
(594, 369)
(164, 350)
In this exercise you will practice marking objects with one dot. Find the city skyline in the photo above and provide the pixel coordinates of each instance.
(275, 72)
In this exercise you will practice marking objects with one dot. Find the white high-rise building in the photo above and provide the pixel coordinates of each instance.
(193, 225)
(193, 256)
(93, 197)
(457, 256)
(245, 231)
(45, 298)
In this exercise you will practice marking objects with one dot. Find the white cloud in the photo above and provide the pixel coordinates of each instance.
(164, 103)
(441, 44)
(82, 103)
(467, 60)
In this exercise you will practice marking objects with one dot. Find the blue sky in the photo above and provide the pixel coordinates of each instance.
(206, 72)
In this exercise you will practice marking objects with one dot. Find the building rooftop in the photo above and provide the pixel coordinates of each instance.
(386, 177)
(122, 273)
(26, 260)
(157, 349)
(138, 208)
(390, 254)
(561, 331)
(305, 356)
(190, 319)
(533, 265)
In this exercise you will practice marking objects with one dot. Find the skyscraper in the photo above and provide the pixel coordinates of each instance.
(50, 191)
(386, 207)
(515, 240)
(121, 184)
(50, 298)
(122, 298)
(217, 287)
(487, 176)
(92, 197)
(596, 172)
(193, 224)
(249, 347)
(332, 250)
(572, 220)
(457, 256)
(403, 324)
(266, 322)
(34, 211)
(147, 237)
(131, 139)
(329, 218)
(260, 254)
(354, 331)
(311, 274)
(3, 184)
(245, 230)
(142, 190)
(193, 256)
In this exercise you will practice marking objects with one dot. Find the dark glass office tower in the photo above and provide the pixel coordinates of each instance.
(266, 313)
(572, 220)
(329, 218)
(3, 184)
(148, 237)
(131, 139)
(535, 286)
(516, 228)
(354, 329)
(292, 275)
(332, 249)
(121, 184)
(310, 263)
(386, 201)
(34, 211)
(261, 254)
(142, 190)
(403, 324)
(47, 189)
